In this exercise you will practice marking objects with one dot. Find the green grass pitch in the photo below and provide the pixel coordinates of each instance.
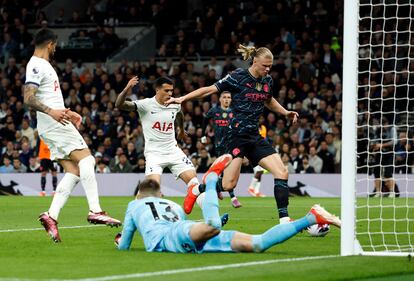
(89, 253)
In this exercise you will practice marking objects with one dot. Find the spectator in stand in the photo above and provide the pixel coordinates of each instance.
(327, 158)
(314, 160)
(7, 166)
(295, 160)
(28, 132)
(306, 168)
(140, 167)
(34, 165)
(18, 166)
(102, 168)
(123, 166)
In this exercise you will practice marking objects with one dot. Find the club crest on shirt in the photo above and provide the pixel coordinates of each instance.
(224, 115)
(259, 86)
(35, 70)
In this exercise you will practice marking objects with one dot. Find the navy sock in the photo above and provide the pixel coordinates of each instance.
(43, 182)
(281, 192)
(231, 193)
(54, 183)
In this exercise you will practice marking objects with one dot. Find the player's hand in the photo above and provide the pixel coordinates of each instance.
(377, 146)
(117, 238)
(60, 115)
(293, 115)
(75, 118)
(174, 101)
(132, 82)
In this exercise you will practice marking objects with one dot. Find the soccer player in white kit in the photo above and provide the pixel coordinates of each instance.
(161, 149)
(56, 127)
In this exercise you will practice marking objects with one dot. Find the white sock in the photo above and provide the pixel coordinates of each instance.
(284, 220)
(63, 190)
(88, 180)
(257, 186)
(194, 182)
(253, 182)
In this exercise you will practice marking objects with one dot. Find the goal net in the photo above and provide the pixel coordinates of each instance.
(383, 90)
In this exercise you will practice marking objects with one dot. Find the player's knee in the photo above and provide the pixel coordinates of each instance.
(229, 184)
(281, 173)
(87, 167)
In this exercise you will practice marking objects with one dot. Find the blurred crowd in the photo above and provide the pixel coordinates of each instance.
(307, 73)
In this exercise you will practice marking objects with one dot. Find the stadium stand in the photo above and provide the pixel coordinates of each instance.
(196, 51)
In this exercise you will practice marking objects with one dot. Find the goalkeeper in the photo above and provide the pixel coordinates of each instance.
(164, 228)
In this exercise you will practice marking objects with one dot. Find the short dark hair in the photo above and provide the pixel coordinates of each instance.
(43, 36)
(149, 186)
(163, 80)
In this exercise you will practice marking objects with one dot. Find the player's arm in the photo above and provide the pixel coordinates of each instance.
(30, 99)
(199, 93)
(274, 106)
(121, 101)
(179, 123)
(124, 240)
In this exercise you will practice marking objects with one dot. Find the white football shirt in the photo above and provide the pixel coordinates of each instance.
(40, 72)
(158, 125)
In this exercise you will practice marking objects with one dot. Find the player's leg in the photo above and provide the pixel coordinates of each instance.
(182, 167)
(201, 232)
(210, 205)
(86, 163)
(254, 187)
(231, 174)
(64, 189)
(388, 164)
(243, 242)
(275, 166)
(54, 177)
(43, 181)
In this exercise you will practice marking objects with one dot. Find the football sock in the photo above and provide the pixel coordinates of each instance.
(257, 186)
(202, 187)
(194, 182)
(88, 180)
(54, 182)
(63, 190)
(281, 233)
(219, 186)
(231, 193)
(253, 182)
(43, 182)
(281, 192)
(210, 205)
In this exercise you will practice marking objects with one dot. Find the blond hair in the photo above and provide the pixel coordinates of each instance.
(250, 52)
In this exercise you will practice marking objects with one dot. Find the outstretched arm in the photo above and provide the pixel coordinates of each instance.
(124, 240)
(274, 106)
(199, 93)
(120, 102)
(30, 99)
(179, 123)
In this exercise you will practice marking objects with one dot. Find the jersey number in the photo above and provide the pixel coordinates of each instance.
(169, 215)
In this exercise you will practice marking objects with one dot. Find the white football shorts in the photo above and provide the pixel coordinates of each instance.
(62, 141)
(176, 161)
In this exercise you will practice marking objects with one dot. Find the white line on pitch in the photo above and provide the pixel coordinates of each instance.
(41, 228)
(183, 270)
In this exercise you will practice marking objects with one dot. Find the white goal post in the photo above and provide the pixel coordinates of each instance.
(378, 61)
